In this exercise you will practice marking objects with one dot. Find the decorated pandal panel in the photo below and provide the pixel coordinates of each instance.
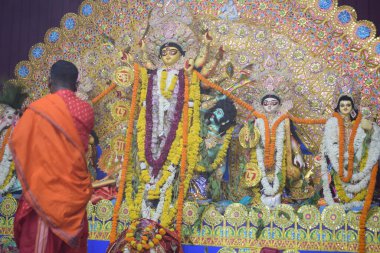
(287, 88)
(242, 228)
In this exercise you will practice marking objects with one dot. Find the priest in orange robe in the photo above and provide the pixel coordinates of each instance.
(48, 145)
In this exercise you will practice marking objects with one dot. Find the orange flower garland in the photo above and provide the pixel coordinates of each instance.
(104, 93)
(307, 121)
(183, 158)
(144, 241)
(270, 139)
(230, 95)
(5, 142)
(126, 154)
(366, 207)
(270, 134)
(350, 166)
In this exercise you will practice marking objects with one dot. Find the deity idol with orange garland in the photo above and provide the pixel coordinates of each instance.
(351, 149)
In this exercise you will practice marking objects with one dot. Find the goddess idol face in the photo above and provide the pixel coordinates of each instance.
(345, 107)
(271, 105)
(170, 56)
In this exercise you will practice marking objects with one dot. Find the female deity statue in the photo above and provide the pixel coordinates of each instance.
(350, 150)
(169, 54)
(11, 100)
(277, 155)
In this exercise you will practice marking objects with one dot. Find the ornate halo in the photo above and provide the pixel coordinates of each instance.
(173, 31)
(345, 86)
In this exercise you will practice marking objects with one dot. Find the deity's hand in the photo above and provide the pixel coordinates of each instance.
(299, 161)
(126, 58)
(366, 124)
(207, 38)
(142, 45)
(189, 66)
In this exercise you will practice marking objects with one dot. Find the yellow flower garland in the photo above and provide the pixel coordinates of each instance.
(174, 156)
(9, 176)
(133, 207)
(253, 159)
(193, 146)
(195, 128)
(339, 188)
(167, 93)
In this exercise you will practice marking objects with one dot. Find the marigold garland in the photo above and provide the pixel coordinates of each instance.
(174, 156)
(306, 120)
(194, 137)
(270, 134)
(167, 93)
(103, 93)
(229, 94)
(194, 140)
(127, 154)
(192, 150)
(191, 159)
(2, 150)
(5, 142)
(166, 217)
(341, 192)
(223, 150)
(183, 158)
(133, 207)
(366, 207)
(350, 167)
(144, 239)
(9, 176)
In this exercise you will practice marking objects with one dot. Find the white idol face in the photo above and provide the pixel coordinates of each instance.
(271, 105)
(345, 107)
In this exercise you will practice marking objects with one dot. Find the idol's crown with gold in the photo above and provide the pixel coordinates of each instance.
(170, 22)
(346, 87)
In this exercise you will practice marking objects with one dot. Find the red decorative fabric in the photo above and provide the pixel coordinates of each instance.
(82, 113)
(105, 192)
